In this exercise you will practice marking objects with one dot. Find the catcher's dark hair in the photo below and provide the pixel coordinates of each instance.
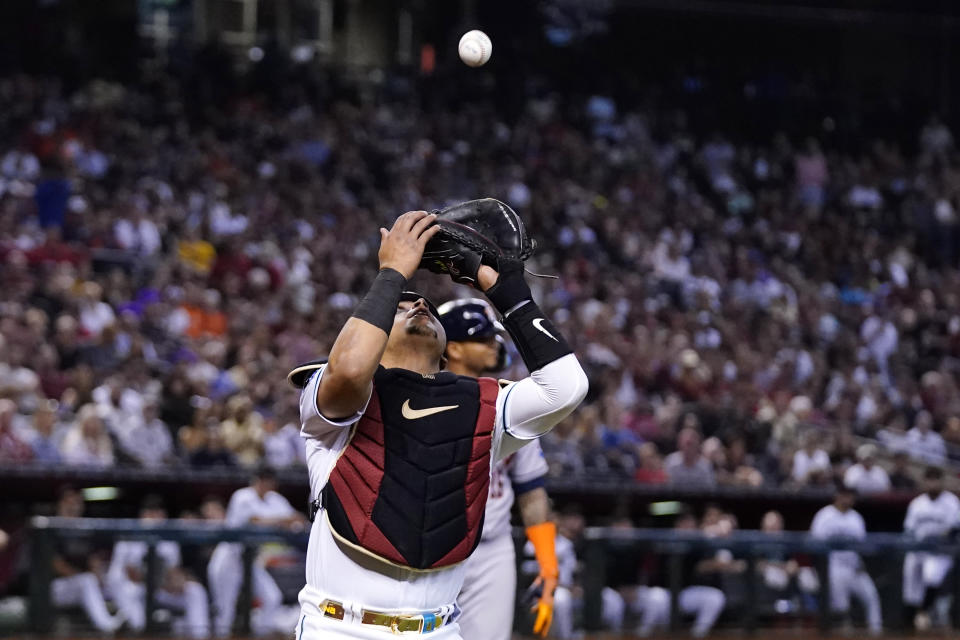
(933, 473)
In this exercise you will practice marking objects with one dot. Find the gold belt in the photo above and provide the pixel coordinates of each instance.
(396, 623)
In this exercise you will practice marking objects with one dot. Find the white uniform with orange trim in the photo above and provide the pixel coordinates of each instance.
(525, 410)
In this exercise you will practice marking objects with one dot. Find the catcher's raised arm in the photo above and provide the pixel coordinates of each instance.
(475, 237)
(356, 354)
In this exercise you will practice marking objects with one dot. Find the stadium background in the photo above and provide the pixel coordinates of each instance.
(604, 123)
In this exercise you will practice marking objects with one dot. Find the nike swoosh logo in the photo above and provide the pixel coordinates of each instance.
(414, 414)
(538, 325)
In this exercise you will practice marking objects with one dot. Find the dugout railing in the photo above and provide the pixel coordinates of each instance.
(599, 545)
(752, 546)
(44, 532)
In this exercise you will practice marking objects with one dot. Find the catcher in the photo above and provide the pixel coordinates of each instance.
(399, 452)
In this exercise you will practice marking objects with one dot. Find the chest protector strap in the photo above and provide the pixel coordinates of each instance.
(411, 486)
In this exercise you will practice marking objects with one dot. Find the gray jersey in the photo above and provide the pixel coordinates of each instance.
(514, 474)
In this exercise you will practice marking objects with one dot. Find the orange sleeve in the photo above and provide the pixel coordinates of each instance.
(543, 536)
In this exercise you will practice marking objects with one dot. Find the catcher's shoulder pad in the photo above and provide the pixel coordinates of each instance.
(301, 373)
(485, 222)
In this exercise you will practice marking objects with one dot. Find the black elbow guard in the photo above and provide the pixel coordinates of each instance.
(537, 339)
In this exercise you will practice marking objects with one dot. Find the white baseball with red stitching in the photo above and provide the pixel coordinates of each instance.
(475, 48)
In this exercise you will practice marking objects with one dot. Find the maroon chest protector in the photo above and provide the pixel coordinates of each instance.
(411, 486)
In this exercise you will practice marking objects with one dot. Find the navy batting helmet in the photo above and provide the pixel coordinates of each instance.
(472, 319)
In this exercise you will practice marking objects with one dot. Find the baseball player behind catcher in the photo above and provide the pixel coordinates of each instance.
(399, 452)
(475, 346)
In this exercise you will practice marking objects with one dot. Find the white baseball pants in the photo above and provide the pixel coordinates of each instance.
(131, 599)
(225, 577)
(922, 571)
(652, 604)
(845, 581)
(612, 610)
(84, 589)
(487, 597)
(705, 604)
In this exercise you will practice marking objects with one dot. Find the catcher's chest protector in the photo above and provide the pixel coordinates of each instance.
(411, 486)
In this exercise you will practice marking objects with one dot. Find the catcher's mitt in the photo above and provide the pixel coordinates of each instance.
(476, 232)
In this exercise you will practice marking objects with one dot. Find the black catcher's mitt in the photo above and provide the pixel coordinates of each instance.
(476, 232)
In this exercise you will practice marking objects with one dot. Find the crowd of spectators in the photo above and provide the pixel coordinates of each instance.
(748, 311)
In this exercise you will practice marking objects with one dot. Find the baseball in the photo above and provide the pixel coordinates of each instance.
(475, 48)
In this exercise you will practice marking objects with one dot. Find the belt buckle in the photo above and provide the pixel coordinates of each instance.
(332, 609)
(397, 620)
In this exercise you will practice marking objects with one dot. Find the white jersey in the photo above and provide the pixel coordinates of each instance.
(831, 523)
(133, 553)
(518, 473)
(525, 410)
(928, 518)
(246, 505)
(863, 480)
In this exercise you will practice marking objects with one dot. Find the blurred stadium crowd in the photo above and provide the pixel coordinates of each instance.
(749, 314)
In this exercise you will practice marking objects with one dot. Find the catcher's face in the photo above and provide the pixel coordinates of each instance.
(413, 321)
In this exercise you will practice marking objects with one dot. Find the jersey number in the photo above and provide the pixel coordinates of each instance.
(496, 483)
